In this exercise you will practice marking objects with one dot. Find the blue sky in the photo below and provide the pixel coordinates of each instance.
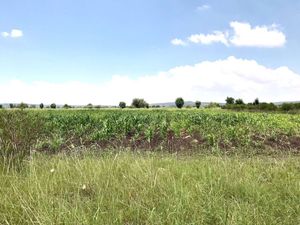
(91, 42)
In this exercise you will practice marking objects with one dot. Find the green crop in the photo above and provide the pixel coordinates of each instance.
(172, 130)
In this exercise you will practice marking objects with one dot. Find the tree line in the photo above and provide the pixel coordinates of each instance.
(231, 104)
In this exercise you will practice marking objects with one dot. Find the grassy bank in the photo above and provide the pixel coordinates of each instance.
(129, 188)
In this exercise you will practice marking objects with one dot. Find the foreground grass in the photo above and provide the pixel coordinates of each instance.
(152, 188)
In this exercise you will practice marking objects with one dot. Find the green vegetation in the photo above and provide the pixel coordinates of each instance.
(139, 103)
(152, 129)
(197, 104)
(179, 102)
(152, 188)
(122, 105)
(53, 106)
(203, 166)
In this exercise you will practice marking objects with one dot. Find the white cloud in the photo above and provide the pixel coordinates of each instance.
(207, 39)
(205, 81)
(203, 7)
(242, 35)
(14, 33)
(178, 42)
(5, 34)
(259, 36)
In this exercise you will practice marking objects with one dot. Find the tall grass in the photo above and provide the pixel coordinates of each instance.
(127, 188)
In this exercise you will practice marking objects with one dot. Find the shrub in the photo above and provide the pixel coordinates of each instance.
(256, 101)
(179, 102)
(239, 101)
(17, 138)
(139, 103)
(66, 106)
(122, 105)
(53, 106)
(11, 106)
(89, 106)
(1, 106)
(197, 104)
(213, 105)
(22, 105)
(229, 101)
(41, 106)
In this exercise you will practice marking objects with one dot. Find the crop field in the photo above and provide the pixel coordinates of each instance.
(149, 166)
(169, 130)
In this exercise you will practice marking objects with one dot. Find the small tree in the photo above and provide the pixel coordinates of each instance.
(23, 105)
(239, 101)
(41, 106)
(139, 103)
(66, 106)
(1, 106)
(256, 101)
(11, 106)
(179, 102)
(197, 104)
(122, 105)
(229, 100)
(53, 106)
(89, 106)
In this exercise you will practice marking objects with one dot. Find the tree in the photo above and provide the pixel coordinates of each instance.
(23, 105)
(53, 106)
(256, 101)
(139, 103)
(179, 102)
(41, 106)
(66, 106)
(198, 104)
(89, 106)
(239, 101)
(11, 106)
(1, 106)
(229, 101)
(122, 105)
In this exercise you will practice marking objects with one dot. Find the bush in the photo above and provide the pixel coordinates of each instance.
(122, 105)
(66, 106)
(17, 138)
(213, 105)
(197, 104)
(229, 101)
(41, 106)
(139, 103)
(239, 101)
(89, 106)
(1, 106)
(22, 105)
(53, 106)
(179, 102)
(256, 101)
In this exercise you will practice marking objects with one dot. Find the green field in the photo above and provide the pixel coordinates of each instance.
(131, 188)
(162, 166)
(171, 130)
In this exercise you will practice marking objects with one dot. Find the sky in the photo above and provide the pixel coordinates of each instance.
(104, 52)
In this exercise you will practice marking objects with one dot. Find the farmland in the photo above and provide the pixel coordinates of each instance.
(149, 166)
(169, 130)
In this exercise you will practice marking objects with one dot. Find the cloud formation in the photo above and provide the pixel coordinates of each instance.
(242, 35)
(215, 37)
(205, 81)
(259, 36)
(178, 42)
(203, 7)
(14, 33)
